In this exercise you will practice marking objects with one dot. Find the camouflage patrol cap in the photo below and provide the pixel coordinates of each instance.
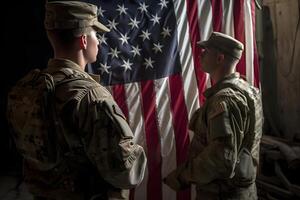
(72, 15)
(223, 43)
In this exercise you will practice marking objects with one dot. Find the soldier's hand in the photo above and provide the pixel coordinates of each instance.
(172, 181)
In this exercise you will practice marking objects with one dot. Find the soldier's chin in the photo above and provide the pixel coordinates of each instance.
(93, 60)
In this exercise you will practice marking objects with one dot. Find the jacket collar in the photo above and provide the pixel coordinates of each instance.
(57, 64)
(215, 88)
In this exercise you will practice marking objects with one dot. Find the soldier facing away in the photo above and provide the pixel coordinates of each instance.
(224, 152)
(97, 157)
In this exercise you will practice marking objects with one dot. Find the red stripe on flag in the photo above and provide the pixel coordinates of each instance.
(119, 95)
(239, 32)
(255, 61)
(217, 13)
(180, 124)
(192, 12)
(154, 185)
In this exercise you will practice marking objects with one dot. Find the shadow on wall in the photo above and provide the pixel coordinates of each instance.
(26, 47)
(269, 76)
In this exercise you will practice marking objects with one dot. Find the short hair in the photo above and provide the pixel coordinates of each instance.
(230, 59)
(66, 37)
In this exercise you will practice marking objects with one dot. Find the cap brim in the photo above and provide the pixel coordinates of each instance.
(100, 27)
(202, 44)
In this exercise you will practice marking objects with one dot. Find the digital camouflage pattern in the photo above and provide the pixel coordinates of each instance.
(99, 154)
(224, 152)
(72, 15)
(32, 116)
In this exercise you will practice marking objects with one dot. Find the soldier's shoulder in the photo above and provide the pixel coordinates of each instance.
(229, 94)
(217, 107)
(100, 93)
(224, 100)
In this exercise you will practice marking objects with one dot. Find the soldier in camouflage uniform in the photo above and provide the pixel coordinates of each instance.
(224, 152)
(101, 159)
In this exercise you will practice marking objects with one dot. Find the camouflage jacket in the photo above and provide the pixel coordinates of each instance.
(224, 151)
(100, 154)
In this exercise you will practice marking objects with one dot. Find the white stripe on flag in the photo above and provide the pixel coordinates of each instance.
(136, 122)
(166, 131)
(249, 46)
(205, 19)
(227, 21)
(191, 94)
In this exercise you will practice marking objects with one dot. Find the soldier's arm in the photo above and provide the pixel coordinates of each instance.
(110, 146)
(226, 123)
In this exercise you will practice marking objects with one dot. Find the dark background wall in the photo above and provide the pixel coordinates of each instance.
(25, 47)
(280, 71)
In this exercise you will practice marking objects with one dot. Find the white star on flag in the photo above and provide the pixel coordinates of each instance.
(155, 19)
(163, 3)
(112, 24)
(148, 62)
(104, 68)
(101, 39)
(126, 65)
(145, 35)
(100, 12)
(136, 50)
(166, 32)
(133, 23)
(114, 52)
(143, 7)
(124, 38)
(157, 47)
(122, 9)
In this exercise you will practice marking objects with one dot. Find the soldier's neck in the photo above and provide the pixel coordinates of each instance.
(74, 56)
(220, 73)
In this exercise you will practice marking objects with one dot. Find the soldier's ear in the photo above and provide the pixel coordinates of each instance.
(83, 41)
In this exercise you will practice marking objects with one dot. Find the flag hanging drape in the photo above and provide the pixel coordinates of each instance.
(150, 63)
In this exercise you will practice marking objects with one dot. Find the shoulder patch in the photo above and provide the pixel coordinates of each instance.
(217, 109)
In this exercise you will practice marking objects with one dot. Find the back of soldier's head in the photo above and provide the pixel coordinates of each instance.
(66, 20)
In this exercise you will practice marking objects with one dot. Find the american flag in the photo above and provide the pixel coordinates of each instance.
(149, 61)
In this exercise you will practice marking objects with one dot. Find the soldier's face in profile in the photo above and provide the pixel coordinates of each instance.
(208, 59)
(92, 47)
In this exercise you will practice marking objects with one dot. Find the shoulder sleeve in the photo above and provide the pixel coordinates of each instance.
(110, 143)
(113, 111)
(227, 117)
